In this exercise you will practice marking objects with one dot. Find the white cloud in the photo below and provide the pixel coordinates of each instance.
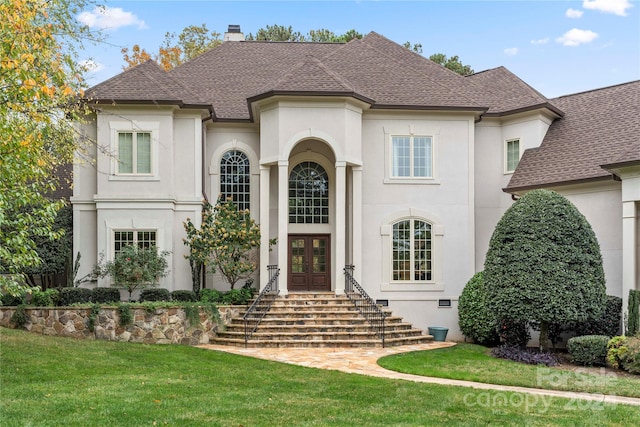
(511, 51)
(540, 41)
(110, 18)
(576, 37)
(617, 7)
(572, 13)
(91, 66)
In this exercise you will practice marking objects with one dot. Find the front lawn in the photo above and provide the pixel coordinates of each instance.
(52, 381)
(474, 363)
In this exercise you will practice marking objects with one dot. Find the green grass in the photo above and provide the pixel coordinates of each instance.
(475, 363)
(51, 381)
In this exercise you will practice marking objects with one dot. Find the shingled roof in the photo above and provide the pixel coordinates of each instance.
(374, 69)
(600, 127)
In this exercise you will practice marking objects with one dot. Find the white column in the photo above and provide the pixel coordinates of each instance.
(356, 238)
(283, 223)
(340, 233)
(264, 224)
(629, 250)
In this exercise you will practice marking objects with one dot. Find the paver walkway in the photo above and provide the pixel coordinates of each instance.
(364, 361)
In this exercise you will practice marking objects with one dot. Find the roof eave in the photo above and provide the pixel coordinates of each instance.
(516, 190)
(478, 110)
(544, 105)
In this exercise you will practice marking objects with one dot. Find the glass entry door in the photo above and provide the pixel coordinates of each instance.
(309, 262)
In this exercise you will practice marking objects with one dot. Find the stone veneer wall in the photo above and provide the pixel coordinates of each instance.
(162, 326)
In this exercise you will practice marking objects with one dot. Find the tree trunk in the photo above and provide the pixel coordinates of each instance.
(544, 336)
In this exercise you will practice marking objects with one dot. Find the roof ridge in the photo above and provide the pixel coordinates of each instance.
(596, 89)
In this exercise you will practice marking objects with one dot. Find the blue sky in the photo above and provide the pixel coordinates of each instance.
(558, 47)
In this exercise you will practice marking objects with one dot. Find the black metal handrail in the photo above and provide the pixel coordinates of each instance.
(363, 302)
(262, 304)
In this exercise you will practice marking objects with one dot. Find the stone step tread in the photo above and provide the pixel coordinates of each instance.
(323, 343)
(341, 316)
(366, 326)
(259, 333)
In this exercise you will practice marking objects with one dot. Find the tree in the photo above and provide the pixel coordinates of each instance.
(134, 268)
(41, 79)
(280, 33)
(175, 50)
(226, 241)
(417, 47)
(453, 63)
(544, 264)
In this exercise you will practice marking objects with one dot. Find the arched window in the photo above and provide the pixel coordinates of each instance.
(412, 251)
(308, 194)
(235, 178)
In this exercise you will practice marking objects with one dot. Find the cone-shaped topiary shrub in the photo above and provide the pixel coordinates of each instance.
(475, 318)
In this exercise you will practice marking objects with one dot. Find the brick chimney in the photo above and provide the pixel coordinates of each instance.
(233, 34)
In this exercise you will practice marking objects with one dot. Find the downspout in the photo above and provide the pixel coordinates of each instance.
(203, 161)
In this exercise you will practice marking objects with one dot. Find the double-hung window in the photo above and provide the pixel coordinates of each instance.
(134, 153)
(511, 155)
(411, 156)
(141, 238)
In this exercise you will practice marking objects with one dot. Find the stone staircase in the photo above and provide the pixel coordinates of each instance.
(318, 320)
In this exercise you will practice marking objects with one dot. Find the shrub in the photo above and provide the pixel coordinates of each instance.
(210, 295)
(630, 360)
(544, 264)
(102, 295)
(126, 315)
(588, 350)
(514, 333)
(518, 354)
(184, 296)
(607, 324)
(474, 317)
(616, 348)
(19, 317)
(237, 296)
(13, 300)
(69, 296)
(48, 298)
(633, 312)
(155, 294)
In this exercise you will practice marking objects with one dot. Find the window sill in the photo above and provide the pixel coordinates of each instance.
(412, 287)
(421, 181)
(133, 178)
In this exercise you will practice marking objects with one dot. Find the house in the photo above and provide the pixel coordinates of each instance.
(360, 153)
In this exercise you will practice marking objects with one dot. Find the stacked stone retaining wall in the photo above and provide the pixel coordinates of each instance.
(159, 326)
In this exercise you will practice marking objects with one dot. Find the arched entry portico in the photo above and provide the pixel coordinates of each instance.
(312, 215)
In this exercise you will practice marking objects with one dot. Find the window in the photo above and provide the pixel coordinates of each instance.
(412, 251)
(512, 154)
(235, 178)
(308, 194)
(412, 157)
(144, 239)
(134, 153)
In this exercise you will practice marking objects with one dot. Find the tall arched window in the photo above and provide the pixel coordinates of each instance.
(411, 247)
(308, 194)
(235, 178)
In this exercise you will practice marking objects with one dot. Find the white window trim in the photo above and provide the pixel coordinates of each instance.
(437, 243)
(137, 127)
(390, 179)
(506, 154)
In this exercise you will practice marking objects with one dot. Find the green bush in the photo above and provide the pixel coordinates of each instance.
(9, 300)
(69, 296)
(514, 333)
(237, 296)
(588, 350)
(630, 360)
(607, 324)
(633, 312)
(48, 298)
(155, 294)
(616, 348)
(184, 296)
(474, 317)
(101, 295)
(19, 317)
(210, 295)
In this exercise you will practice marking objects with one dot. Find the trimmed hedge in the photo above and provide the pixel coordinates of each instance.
(589, 350)
(210, 295)
(48, 298)
(184, 296)
(69, 296)
(474, 317)
(101, 295)
(608, 324)
(10, 300)
(155, 294)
